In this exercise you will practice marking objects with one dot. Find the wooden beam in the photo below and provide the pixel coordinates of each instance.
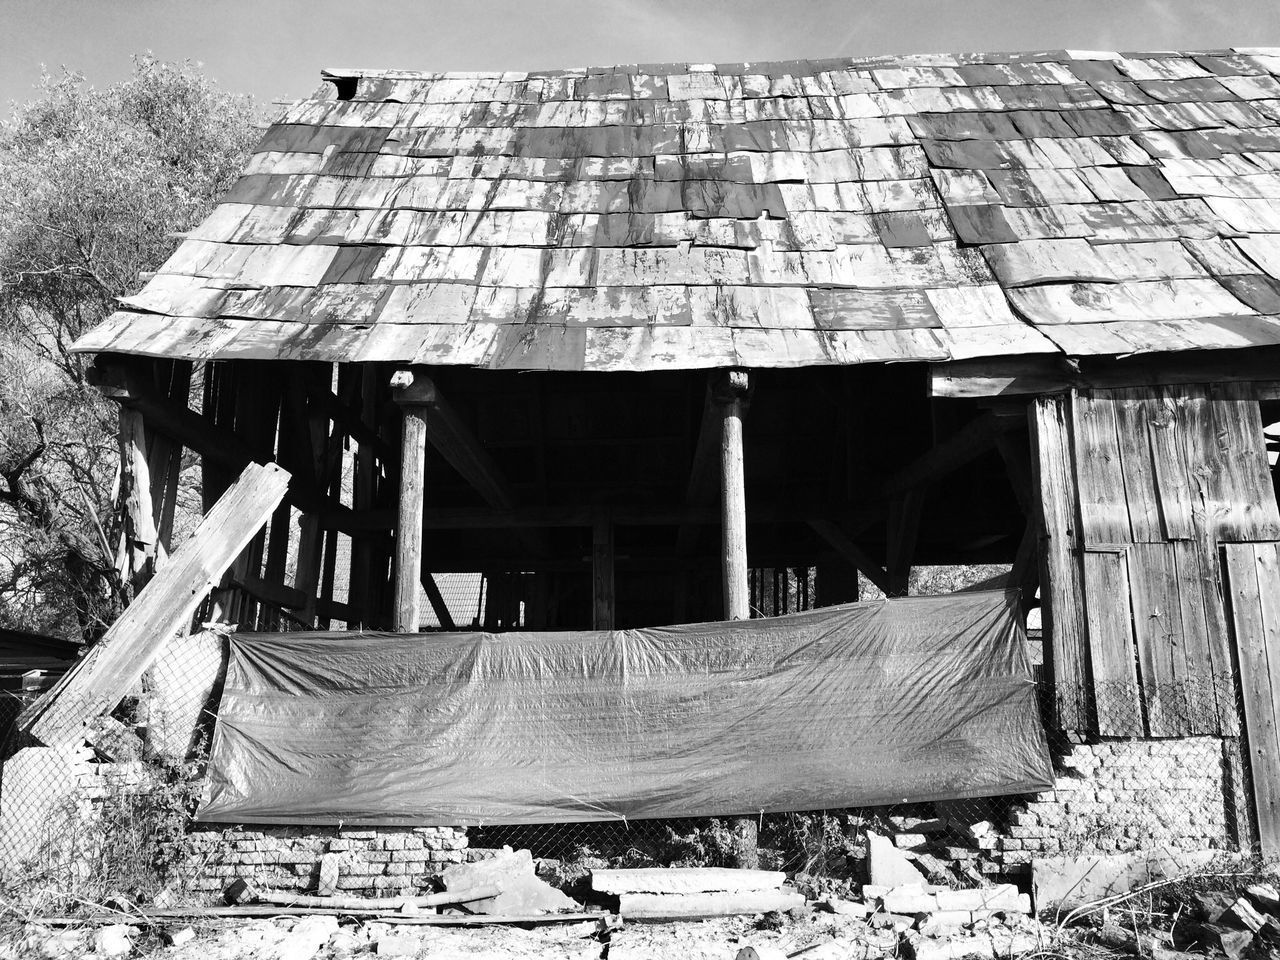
(1023, 376)
(843, 544)
(967, 444)
(291, 598)
(903, 530)
(165, 606)
(213, 443)
(602, 583)
(413, 463)
(456, 442)
(364, 522)
(436, 599)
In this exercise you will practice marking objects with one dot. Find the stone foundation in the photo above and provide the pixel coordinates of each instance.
(1109, 797)
(387, 861)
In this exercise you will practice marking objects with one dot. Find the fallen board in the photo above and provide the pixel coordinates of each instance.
(917, 699)
(684, 880)
(669, 906)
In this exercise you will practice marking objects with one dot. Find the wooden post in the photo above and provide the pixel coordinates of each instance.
(730, 391)
(729, 394)
(413, 464)
(602, 598)
(139, 530)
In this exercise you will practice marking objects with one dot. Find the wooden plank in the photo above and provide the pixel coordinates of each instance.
(1111, 647)
(1061, 577)
(1253, 574)
(1244, 491)
(1158, 631)
(730, 392)
(1133, 411)
(1164, 424)
(602, 588)
(1104, 515)
(163, 607)
(1205, 668)
(408, 564)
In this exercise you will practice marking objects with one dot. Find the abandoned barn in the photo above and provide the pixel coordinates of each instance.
(656, 349)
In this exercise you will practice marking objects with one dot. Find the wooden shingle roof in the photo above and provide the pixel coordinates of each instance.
(761, 215)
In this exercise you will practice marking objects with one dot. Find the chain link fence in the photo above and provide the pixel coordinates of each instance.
(1135, 768)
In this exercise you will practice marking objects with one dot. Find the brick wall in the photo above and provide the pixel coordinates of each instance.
(1121, 796)
(387, 861)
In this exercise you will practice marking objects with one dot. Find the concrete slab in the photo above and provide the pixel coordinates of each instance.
(1060, 883)
(522, 891)
(888, 866)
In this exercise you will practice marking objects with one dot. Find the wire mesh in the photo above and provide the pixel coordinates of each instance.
(71, 813)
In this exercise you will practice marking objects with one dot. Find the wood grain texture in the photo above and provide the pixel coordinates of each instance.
(1111, 644)
(160, 610)
(388, 224)
(1253, 572)
(1061, 575)
(1104, 512)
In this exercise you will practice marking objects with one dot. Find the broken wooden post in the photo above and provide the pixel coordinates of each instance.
(602, 597)
(730, 392)
(413, 470)
(140, 536)
(161, 609)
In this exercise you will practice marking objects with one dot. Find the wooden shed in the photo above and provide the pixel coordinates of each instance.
(628, 341)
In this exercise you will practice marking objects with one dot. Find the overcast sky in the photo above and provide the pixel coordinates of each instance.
(275, 48)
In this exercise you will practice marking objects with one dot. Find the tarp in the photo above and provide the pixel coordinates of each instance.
(864, 704)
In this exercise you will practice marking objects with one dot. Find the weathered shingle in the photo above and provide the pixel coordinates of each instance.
(759, 214)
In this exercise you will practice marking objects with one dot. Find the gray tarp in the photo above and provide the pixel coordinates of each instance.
(872, 703)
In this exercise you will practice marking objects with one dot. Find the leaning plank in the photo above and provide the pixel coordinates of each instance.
(659, 906)
(1254, 580)
(685, 880)
(162, 608)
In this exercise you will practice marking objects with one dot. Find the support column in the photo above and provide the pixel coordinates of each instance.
(413, 470)
(730, 394)
(602, 594)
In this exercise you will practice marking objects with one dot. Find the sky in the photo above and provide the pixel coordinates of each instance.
(274, 49)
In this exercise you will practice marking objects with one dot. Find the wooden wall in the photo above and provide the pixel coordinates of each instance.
(1140, 488)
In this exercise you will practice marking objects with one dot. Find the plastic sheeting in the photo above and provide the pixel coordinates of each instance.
(874, 703)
